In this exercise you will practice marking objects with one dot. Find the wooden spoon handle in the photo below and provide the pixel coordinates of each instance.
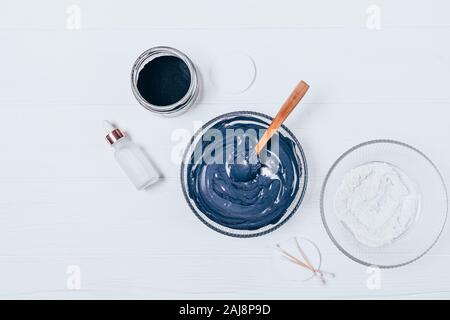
(287, 107)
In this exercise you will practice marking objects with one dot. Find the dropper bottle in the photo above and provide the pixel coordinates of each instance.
(131, 158)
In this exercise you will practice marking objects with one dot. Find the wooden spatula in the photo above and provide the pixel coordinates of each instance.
(287, 107)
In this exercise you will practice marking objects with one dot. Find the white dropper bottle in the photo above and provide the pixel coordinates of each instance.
(131, 158)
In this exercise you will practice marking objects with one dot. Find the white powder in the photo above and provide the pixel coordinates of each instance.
(377, 202)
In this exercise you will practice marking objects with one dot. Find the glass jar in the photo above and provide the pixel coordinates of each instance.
(179, 106)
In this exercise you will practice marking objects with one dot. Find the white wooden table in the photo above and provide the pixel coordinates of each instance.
(66, 209)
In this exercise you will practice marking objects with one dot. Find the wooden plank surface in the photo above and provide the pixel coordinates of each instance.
(65, 202)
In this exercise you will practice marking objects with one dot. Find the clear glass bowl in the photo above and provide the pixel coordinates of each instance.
(430, 219)
(235, 232)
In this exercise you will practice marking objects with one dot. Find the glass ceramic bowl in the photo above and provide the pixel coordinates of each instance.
(235, 232)
(430, 219)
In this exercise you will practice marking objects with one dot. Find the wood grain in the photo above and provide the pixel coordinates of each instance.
(64, 201)
(288, 106)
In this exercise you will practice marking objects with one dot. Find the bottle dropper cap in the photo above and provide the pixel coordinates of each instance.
(114, 134)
